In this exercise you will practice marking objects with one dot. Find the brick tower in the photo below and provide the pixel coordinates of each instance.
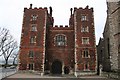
(46, 48)
(85, 50)
(32, 47)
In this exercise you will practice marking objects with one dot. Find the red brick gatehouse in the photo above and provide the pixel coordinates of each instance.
(58, 49)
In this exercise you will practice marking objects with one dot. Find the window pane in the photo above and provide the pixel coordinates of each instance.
(86, 53)
(86, 66)
(84, 29)
(83, 17)
(85, 40)
(30, 66)
(31, 54)
(60, 40)
(33, 39)
(34, 17)
(33, 27)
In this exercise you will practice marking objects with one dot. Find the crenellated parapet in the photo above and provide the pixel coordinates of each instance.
(61, 27)
(35, 8)
(80, 11)
(81, 8)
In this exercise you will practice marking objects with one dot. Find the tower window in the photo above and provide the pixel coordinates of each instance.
(60, 40)
(31, 54)
(83, 17)
(86, 53)
(33, 27)
(31, 66)
(84, 29)
(34, 17)
(86, 66)
(33, 39)
(85, 40)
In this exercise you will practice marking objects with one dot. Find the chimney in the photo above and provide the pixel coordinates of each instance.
(75, 8)
(30, 6)
(71, 10)
(87, 7)
(50, 11)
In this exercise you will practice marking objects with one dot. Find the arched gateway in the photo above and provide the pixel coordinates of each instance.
(56, 67)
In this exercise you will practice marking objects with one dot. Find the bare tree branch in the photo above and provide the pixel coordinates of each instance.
(14, 56)
(7, 45)
(3, 35)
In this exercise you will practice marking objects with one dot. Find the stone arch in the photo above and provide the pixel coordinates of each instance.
(56, 67)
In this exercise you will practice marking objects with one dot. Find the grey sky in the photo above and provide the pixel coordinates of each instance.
(11, 13)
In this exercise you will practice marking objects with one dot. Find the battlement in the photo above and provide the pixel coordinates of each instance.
(59, 26)
(81, 8)
(35, 8)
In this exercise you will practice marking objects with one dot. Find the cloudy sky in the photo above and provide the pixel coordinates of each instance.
(11, 13)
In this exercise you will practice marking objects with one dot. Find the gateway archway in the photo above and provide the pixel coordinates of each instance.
(56, 67)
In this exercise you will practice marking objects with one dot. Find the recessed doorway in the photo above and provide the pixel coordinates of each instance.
(56, 67)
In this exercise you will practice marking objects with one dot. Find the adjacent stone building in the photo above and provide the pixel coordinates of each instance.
(100, 55)
(57, 49)
(111, 38)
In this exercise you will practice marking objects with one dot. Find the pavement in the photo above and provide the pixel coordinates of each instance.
(31, 76)
(6, 72)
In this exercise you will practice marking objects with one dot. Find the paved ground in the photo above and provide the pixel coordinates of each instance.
(28, 76)
(6, 72)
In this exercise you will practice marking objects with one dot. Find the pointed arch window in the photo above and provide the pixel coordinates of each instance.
(60, 40)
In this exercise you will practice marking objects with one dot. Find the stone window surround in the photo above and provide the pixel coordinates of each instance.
(84, 29)
(31, 54)
(31, 66)
(33, 27)
(85, 55)
(84, 17)
(34, 17)
(65, 43)
(86, 66)
(85, 40)
(33, 39)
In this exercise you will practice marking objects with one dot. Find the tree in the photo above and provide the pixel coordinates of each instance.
(7, 45)
(3, 33)
(14, 56)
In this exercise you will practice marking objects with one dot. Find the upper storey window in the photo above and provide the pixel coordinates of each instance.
(83, 18)
(85, 40)
(60, 40)
(33, 39)
(34, 17)
(33, 27)
(86, 53)
(31, 54)
(84, 29)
